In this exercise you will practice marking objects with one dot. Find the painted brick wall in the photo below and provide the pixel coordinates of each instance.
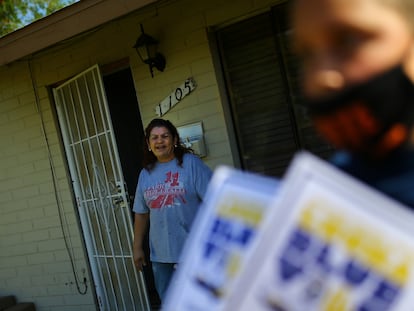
(34, 263)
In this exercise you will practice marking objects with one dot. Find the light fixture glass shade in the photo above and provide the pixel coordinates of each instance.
(146, 47)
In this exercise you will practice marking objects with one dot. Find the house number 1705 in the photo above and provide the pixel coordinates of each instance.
(175, 97)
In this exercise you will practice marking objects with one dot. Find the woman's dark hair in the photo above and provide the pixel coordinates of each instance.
(150, 159)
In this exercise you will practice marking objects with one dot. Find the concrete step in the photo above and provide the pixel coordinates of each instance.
(22, 306)
(8, 303)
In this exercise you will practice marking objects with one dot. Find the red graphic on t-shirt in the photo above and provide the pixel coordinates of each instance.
(172, 179)
(166, 194)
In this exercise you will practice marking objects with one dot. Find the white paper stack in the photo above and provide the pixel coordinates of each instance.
(220, 241)
(318, 241)
(330, 243)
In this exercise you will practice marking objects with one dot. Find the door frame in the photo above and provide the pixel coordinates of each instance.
(115, 200)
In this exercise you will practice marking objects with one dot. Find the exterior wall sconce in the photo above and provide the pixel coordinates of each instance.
(146, 49)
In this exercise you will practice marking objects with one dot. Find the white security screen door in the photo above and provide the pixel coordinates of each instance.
(100, 191)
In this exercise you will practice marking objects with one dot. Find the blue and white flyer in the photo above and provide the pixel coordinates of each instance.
(222, 235)
(331, 244)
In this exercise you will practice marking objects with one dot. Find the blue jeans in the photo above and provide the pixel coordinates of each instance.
(162, 276)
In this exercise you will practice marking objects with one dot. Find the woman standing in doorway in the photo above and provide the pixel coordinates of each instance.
(170, 189)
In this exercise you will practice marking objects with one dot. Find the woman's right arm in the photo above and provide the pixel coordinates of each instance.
(140, 229)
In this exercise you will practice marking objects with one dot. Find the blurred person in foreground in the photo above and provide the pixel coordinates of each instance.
(170, 189)
(357, 76)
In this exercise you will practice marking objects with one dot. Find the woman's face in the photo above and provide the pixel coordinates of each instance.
(161, 143)
(345, 42)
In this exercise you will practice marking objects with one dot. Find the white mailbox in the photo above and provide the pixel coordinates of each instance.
(192, 136)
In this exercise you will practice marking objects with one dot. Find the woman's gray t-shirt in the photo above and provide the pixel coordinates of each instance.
(171, 194)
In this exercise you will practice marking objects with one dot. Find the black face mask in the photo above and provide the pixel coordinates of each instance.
(389, 97)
